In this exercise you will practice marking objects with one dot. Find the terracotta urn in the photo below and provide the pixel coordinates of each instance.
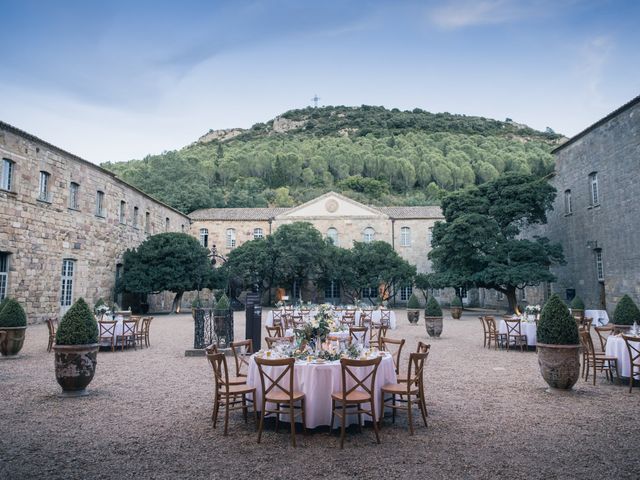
(559, 365)
(12, 340)
(75, 367)
(434, 326)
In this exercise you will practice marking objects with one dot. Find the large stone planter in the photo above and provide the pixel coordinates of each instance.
(12, 341)
(559, 364)
(456, 313)
(75, 367)
(434, 326)
(413, 315)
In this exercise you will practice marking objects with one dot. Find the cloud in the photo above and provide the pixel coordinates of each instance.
(468, 13)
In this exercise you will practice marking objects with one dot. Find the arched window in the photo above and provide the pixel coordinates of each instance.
(405, 237)
(332, 234)
(368, 235)
(204, 237)
(257, 233)
(231, 238)
(567, 202)
(594, 190)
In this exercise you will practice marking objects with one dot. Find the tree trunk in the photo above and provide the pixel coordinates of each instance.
(177, 300)
(510, 292)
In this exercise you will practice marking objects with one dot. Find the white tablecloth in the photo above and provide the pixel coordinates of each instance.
(526, 328)
(119, 330)
(617, 348)
(375, 317)
(318, 382)
(600, 317)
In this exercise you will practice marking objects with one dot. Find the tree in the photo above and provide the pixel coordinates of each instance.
(168, 261)
(480, 243)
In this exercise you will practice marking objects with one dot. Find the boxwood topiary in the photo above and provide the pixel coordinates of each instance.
(577, 303)
(12, 314)
(456, 302)
(223, 303)
(413, 302)
(78, 326)
(626, 312)
(433, 308)
(556, 325)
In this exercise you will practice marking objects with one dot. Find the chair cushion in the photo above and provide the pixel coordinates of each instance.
(353, 397)
(280, 396)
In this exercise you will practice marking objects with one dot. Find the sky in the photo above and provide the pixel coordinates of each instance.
(117, 80)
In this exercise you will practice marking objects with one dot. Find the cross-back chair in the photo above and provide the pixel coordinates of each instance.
(423, 347)
(276, 380)
(143, 332)
(128, 335)
(277, 320)
(603, 333)
(357, 391)
(394, 347)
(514, 333)
(633, 347)
(348, 319)
(275, 331)
(107, 331)
(273, 341)
(385, 317)
(376, 332)
(485, 330)
(593, 359)
(365, 316)
(242, 351)
(357, 334)
(231, 397)
(52, 326)
(499, 339)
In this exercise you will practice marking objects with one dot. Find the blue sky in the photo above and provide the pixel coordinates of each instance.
(116, 80)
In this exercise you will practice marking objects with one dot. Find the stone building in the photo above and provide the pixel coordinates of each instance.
(596, 215)
(407, 229)
(65, 223)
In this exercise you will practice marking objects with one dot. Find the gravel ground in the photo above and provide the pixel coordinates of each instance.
(148, 415)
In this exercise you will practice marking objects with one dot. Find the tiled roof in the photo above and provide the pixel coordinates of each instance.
(236, 213)
(412, 212)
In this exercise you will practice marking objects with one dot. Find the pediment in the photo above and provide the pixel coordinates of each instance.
(332, 205)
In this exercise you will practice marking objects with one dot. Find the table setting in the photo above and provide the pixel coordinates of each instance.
(617, 347)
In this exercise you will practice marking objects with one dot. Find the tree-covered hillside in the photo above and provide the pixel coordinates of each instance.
(371, 154)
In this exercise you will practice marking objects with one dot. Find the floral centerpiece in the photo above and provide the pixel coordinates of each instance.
(533, 310)
(317, 330)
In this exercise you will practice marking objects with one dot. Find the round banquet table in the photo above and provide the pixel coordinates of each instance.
(617, 348)
(375, 317)
(119, 330)
(526, 328)
(318, 382)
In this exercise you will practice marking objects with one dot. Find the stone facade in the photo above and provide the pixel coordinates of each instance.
(348, 220)
(40, 229)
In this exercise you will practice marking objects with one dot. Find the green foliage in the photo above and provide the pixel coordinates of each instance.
(456, 302)
(479, 246)
(223, 303)
(413, 302)
(626, 312)
(577, 303)
(197, 302)
(556, 325)
(12, 314)
(374, 155)
(433, 308)
(78, 326)
(169, 261)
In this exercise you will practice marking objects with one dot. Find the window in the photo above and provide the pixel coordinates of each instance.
(100, 203)
(332, 235)
(599, 266)
(204, 237)
(6, 178)
(66, 295)
(405, 237)
(368, 235)
(370, 292)
(4, 274)
(405, 293)
(332, 290)
(167, 224)
(567, 202)
(74, 192)
(231, 238)
(182, 228)
(122, 213)
(147, 222)
(135, 217)
(436, 292)
(593, 186)
(462, 292)
(257, 233)
(43, 192)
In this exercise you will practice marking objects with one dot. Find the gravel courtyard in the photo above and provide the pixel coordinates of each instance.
(148, 416)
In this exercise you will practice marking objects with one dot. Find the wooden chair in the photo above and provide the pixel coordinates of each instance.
(514, 333)
(423, 347)
(603, 333)
(143, 333)
(107, 331)
(231, 397)
(499, 339)
(375, 334)
(591, 358)
(365, 317)
(394, 347)
(297, 321)
(52, 325)
(242, 351)
(484, 329)
(385, 318)
(275, 331)
(273, 341)
(280, 392)
(586, 323)
(411, 386)
(348, 319)
(633, 347)
(358, 335)
(128, 335)
(351, 400)
(277, 318)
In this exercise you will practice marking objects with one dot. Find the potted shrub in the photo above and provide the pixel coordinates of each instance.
(13, 321)
(456, 307)
(223, 321)
(577, 307)
(433, 317)
(625, 314)
(413, 309)
(197, 303)
(558, 345)
(76, 349)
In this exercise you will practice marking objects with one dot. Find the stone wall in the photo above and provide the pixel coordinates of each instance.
(39, 234)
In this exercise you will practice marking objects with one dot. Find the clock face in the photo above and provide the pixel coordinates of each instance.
(331, 205)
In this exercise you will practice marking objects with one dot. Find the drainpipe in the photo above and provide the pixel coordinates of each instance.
(393, 233)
